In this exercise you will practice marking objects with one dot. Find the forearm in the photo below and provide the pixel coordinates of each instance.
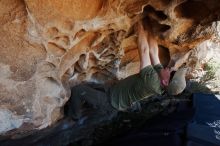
(154, 50)
(144, 60)
(143, 48)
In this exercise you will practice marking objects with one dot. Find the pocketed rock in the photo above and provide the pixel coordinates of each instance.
(47, 46)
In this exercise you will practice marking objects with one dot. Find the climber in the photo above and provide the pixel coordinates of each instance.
(152, 79)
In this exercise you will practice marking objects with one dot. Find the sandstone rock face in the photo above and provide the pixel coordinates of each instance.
(47, 46)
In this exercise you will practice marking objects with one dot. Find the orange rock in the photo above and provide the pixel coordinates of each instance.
(46, 46)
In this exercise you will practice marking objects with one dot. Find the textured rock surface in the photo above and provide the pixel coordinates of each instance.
(47, 46)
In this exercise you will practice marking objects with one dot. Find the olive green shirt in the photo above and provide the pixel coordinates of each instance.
(136, 87)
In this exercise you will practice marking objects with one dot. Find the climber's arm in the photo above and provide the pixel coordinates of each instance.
(143, 47)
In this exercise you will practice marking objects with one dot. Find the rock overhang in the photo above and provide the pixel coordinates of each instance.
(47, 46)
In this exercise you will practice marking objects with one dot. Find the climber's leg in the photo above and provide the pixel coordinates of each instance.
(98, 99)
(153, 45)
(143, 47)
(154, 55)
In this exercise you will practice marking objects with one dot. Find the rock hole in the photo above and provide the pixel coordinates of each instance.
(77, 68)
(53, 80)
(103, 75)
(164, 28)
(154, 14)
(55, 50)
(161, 15)
(67, 25)
(92, 60)
(62, 40)
(156, 26)
(70, 72)
(192, 9)
(80, 33)
(154, 17)
(51, 32)
(107, 55)
(82, 61)
(164, 55)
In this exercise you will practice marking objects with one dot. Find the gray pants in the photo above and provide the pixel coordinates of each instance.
(95, 95)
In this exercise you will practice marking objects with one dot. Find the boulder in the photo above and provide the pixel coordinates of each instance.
(48, 46)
